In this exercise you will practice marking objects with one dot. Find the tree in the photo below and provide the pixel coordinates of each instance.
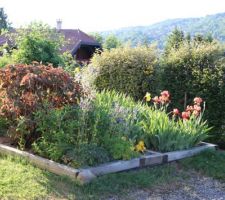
(175, 39)
(98, 37)
(4, 24)
(38, 42)
(112, 42)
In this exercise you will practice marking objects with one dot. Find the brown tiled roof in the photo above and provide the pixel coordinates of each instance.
(74, 38)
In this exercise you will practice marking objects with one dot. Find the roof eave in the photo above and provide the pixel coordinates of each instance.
(78, 45)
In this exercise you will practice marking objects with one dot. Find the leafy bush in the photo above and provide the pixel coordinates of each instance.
(26, 89)
(61, 130)
(3, 126)
(69, 64)
(120, 147)
(126, 70)
(5, 60)
(86, 154)
(101, 121)
(196, 67)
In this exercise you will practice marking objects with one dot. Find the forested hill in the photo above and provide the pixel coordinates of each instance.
(211, 24)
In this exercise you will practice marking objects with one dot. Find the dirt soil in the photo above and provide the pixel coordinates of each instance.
(5, 140)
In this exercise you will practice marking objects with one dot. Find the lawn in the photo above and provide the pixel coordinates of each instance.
(20, 180)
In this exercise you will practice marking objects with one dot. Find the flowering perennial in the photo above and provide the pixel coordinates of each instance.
(164, 99)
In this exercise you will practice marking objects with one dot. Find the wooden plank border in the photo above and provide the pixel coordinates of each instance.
(177, 155)
(86, 175)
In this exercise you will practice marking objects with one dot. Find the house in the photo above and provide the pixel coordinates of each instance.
(81, 45)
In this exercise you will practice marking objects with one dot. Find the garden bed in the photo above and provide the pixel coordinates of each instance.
(85, 175)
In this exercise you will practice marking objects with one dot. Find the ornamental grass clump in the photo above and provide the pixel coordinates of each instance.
(170, 131)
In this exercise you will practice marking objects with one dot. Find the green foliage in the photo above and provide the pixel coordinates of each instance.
(102, 121)
(60, 131)
(127, 70)
(98, 37)
(68, 63)
(5, 60)
(165, 134)
(4, 125)
(37, 42)
(175, 40)
(154, 126)
(87, 154)
(120, 147)
(111, 124)
(4, 24)
(111, 42)
(196, 68)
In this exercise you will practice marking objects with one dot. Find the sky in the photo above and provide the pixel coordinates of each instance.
(99, 15)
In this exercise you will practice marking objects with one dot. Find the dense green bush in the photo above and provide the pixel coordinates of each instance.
(127, 70)
(67, 136)
(197, 67)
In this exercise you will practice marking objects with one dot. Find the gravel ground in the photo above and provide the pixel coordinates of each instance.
(195, 188)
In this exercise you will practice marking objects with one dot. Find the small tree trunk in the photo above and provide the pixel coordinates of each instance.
(185, 100)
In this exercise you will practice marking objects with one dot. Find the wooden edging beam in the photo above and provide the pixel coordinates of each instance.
(86, 175)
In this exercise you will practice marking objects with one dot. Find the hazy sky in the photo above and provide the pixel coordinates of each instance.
(96, 15)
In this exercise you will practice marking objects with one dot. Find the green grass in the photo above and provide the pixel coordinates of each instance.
(20, 180)
(209, 163)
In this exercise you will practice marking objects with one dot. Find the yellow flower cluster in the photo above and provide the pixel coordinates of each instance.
(77, 70)
(140, 146)
(147, 97)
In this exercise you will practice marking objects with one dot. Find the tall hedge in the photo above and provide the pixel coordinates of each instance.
(197, 68)
(126, 70)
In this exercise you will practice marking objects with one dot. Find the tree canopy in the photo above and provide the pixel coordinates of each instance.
(4, 24)
(38, 42)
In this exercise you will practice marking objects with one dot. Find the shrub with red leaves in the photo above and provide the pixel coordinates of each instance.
(25, 89)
